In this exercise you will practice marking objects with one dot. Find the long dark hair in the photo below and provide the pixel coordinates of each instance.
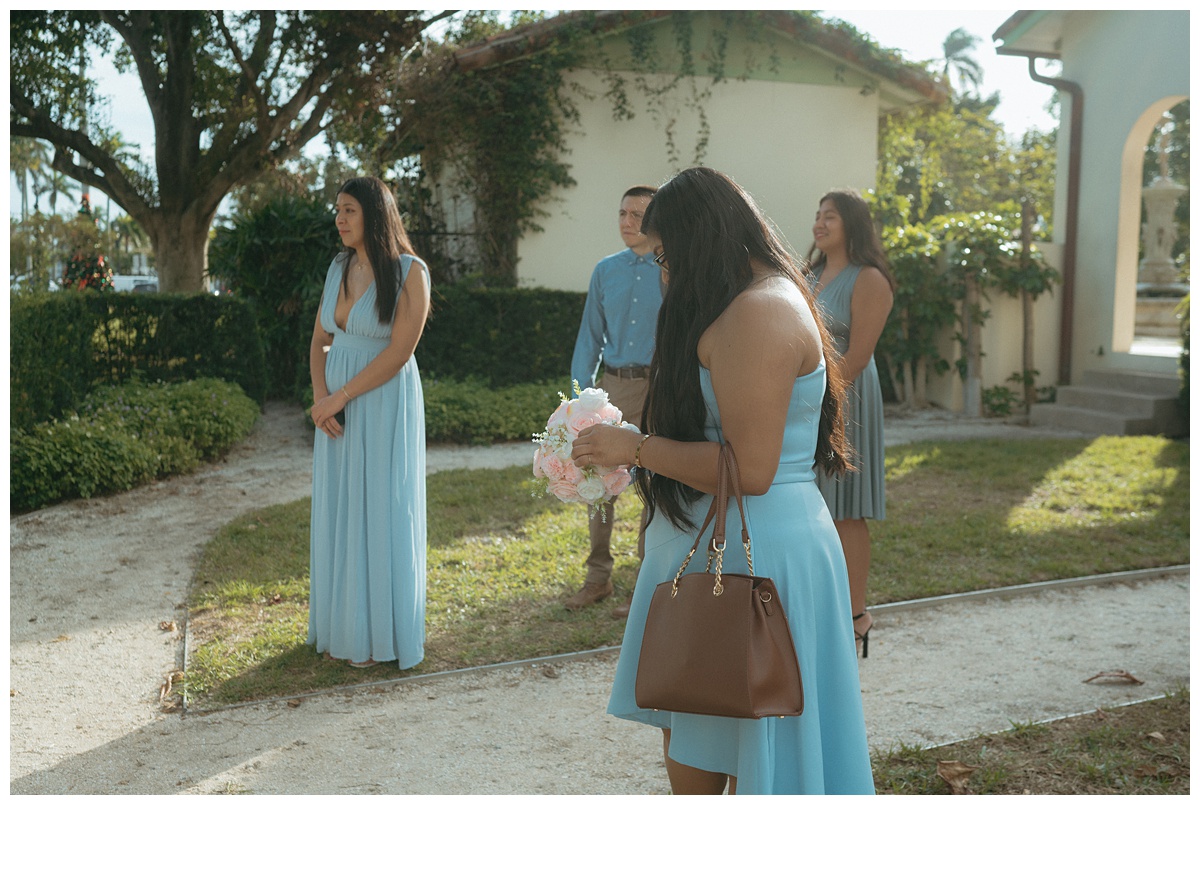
(711, 230)
(384, 238)
(862, 239)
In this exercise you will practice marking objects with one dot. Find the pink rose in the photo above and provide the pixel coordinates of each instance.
(559, 415)
(610, 414)
(579, 420)
(616, 481)
(572, 472)
(541, 462)
(564, 490)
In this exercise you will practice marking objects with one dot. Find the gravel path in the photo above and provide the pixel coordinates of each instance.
(98, 588)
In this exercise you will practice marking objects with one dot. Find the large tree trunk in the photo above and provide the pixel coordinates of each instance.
(181, 251)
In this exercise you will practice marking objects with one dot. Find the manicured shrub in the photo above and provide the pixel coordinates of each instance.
(51, 365)
(66, 344)
(210, 414)
(503, 336)
(276, 256)
(472, 412)
(124, 436)
(75, 458)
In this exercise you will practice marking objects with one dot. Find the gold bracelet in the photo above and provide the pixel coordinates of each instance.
(346, 393)
(637, 453)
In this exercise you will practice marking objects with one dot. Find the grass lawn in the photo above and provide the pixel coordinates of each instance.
(961, 516)
(1140, 749)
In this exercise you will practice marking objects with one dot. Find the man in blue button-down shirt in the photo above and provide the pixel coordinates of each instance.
(618, 325)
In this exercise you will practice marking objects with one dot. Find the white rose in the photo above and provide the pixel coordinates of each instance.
(591, 489)
(593, 399)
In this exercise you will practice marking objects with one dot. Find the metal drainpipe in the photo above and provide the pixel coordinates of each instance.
(1071, 240)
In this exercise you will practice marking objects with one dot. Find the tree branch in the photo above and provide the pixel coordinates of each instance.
(113, 182)
(249, 74)
(134, 32)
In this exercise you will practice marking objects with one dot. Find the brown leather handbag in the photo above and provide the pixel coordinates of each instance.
(717, 643)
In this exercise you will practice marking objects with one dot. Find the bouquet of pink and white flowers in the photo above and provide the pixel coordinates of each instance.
(552, 460)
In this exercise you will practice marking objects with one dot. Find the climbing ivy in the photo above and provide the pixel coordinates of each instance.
(499, 133)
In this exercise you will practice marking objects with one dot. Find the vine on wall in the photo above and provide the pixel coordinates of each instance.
(499, 133)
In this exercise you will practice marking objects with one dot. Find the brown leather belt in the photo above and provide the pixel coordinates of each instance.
(630, 372)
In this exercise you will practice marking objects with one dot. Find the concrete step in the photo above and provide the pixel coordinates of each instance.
(1094, 421)
(1150, 383)
(1167, 328)
(1112, 402)
(1119, 402)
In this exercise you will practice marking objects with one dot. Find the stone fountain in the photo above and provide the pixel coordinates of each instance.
(1158, 289)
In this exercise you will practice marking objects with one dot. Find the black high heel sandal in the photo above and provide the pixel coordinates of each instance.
(863, 636)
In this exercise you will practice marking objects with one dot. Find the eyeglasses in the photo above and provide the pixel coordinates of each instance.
(661, 260)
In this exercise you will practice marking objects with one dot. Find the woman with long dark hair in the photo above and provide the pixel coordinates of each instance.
(854, 293)
(367, 560)
(741, 357)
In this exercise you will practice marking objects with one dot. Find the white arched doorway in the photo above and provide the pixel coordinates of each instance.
(1129, 214)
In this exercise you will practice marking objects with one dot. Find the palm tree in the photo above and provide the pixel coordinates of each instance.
(28, 159)
(129, 236)
(58, 183)
(958, 56)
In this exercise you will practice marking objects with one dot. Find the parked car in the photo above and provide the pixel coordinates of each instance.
(135, 283)
(21, 283)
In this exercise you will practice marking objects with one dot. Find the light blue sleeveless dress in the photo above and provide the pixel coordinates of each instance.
(793, 541)
(367, 553)
(855, 494)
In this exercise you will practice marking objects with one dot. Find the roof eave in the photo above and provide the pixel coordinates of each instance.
(911, 85)
(1036, 32)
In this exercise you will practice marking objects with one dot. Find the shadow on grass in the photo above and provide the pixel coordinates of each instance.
(501, 561)
(979, 514)
(962, 516)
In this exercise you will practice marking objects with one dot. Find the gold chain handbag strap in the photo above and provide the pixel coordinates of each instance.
(727, 477)
(717, 544)
(735, 480)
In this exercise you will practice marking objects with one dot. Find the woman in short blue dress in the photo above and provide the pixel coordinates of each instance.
(367, 554)
(742, 357)
(854, 294)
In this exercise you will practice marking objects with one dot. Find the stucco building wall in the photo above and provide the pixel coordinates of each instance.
(1133, 66)
(773, 138)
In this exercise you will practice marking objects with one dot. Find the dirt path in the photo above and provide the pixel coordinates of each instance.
(96, 587)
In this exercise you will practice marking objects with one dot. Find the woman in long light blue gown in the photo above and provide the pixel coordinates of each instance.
(741, 357)
(854, 294)
(367, 551)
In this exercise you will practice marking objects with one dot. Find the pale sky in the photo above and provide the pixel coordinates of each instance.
(918, 35)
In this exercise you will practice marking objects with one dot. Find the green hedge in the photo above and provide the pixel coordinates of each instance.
(66, 344)
(276, 256)
(503, 336)
(124, 436)
(51, 366)
(471, 412)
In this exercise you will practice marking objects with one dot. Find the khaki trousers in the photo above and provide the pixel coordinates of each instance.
(628, 395)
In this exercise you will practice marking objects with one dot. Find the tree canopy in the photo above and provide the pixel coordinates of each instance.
(231, 94)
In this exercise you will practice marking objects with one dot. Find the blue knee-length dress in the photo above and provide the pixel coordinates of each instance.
(857, 494)
(794, 542)
(367, 552)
